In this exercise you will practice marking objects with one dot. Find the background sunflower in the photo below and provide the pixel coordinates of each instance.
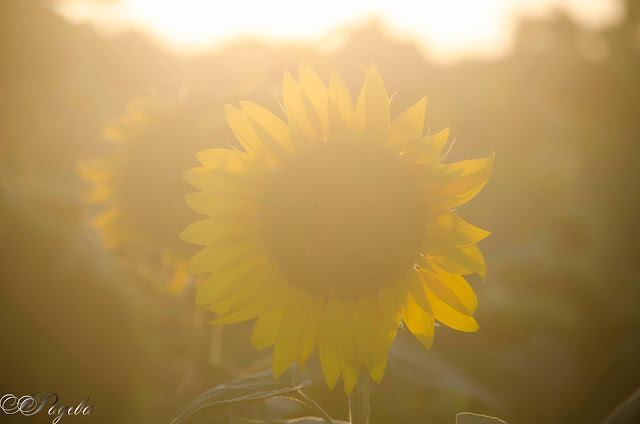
(131, 187)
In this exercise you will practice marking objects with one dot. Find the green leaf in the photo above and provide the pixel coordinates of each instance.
(255, 387)
(469, 418)
(235, 419)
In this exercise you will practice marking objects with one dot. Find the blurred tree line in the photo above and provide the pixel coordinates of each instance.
(559, 313)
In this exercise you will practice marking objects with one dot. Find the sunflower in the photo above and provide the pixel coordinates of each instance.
(126, 208)
(335, 227)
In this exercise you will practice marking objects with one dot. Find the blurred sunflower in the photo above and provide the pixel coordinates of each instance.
(131, 186)
(335, 227)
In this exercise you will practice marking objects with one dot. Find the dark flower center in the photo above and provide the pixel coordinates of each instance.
(343, 220)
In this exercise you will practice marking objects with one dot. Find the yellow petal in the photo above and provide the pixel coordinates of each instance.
(460, 259)
(381, 323)
(378, 361)
(111, 228)
(112, 133)
(448, 315)
(368, 318)
(300, 111)
(427, 150)
(100, 194)
(226, 276)
(246, 135)
(327, 344)
(217, 256)
(418, 321)
(372, 110)
(314, 310)
(215, 204)
(302, 330)
(270, 122)
(377, 370)
(106, 217)
(257, 287)
(450, 227)
(179, 279)
(317, 93)
(350, 377)
(245, 312)
(96, 170)
(225, 160)
(387, 301)
(347, 347)
(414, 286)
(267, 326)
(452, 289)
(112, 236)
(296, 337)
(386, 331)
(269, 140)
(453, 184)
(408, 126)
(341, 113)
(218, 229)
(223, 182)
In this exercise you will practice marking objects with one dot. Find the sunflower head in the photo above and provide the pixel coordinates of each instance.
(138, 195)
(132, 186)
(335, 225)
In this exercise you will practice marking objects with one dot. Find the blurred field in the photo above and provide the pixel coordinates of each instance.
(560, 310)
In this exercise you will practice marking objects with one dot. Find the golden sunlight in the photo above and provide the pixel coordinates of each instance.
(446, 30)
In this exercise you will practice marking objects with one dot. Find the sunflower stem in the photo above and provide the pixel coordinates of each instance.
(314, 405)
(359, 401)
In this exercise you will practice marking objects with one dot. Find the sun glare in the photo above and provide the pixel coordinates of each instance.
(447, 30)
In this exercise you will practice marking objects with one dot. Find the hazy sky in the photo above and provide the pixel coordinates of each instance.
(447, 29)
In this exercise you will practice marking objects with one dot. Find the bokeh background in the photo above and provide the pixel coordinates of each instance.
(98, 122)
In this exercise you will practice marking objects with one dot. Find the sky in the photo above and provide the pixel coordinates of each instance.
(446, 29)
